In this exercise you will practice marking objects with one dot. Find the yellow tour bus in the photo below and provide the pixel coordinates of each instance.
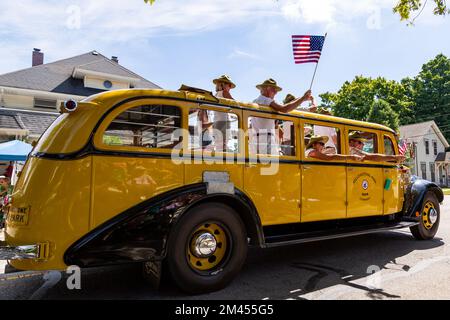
(184, 182)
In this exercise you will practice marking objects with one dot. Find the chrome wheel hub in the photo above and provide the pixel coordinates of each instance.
(205, 245)
(432, 215)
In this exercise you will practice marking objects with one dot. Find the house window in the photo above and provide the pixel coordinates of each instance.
(423, 168)
(435, 148)
(107, 84)
(148, 126)
(427, 147)
(44, 103)
(432, 171)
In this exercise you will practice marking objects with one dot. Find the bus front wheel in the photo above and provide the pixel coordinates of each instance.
(428, 220)
(207, 248)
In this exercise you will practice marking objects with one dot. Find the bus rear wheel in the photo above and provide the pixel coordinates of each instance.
(429, 219)
(207, 248)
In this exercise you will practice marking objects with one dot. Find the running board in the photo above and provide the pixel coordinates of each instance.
(282, 240)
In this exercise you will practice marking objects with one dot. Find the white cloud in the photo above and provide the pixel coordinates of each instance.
(112, 25)
(332, 13)
(237, 53)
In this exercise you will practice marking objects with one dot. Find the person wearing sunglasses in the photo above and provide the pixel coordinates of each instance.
(356, 144)
(316, 148)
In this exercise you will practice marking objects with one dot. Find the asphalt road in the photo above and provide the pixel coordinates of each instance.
(389, 265)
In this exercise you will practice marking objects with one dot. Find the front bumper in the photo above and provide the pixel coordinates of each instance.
(32, 251)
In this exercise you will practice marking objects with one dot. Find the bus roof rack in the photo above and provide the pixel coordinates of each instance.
(206, 93)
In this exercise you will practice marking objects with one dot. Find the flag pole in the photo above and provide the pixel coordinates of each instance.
(315, 69)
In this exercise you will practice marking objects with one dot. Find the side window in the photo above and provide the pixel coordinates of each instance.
(271, 136)
(149, 126)
(325, 139)
(388, 146)
(213, 130)
(362, 142)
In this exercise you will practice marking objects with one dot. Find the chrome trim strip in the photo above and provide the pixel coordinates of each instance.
(19, 252)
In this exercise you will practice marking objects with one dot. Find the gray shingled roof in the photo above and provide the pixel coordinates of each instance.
(35, 122)
(415, 129)
(57, 76)
(440, 156)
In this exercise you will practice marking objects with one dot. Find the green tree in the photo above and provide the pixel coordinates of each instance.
(355, 99)
(381, 112)
(430, 92)
(405, 8)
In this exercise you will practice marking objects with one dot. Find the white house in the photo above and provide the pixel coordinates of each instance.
(430, 161)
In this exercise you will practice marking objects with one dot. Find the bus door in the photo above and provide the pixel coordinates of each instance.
(271, 174)
(214, 144)
(365, 180)
(323, 182)
(135, 160)
(393, 190)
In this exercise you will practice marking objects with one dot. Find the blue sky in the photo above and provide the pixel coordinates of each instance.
(193, 41)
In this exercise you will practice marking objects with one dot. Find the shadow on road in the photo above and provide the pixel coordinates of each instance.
(271, 273)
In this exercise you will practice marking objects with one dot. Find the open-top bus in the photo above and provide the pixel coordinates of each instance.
(124, 177)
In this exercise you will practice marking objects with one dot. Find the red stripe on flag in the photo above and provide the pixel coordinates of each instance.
(300, 37)
(306, 54)
(305, 61)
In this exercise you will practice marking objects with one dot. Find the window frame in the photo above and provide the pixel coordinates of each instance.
(427, 146)
(296, 122)
(435, 148)
(98, 137)
(432, 167)
(211, 107)
(378, 139)
(423, 164)
(395, 146)
(339, 126)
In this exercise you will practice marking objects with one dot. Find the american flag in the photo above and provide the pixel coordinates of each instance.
(403, 147)
(307, 48)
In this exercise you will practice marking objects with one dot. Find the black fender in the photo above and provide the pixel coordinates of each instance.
(415, 194)
(141, 233)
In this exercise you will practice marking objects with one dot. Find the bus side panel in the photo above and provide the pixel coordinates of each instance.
(393, 191)
(122, 182)
(275, 190)
(56, 197)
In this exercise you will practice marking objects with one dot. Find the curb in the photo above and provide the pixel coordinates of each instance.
(20, 275)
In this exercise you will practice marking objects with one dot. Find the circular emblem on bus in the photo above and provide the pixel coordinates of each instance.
(365, 184)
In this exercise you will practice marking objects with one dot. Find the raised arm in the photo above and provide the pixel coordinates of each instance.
(288, 107)
(384, 157)
(329, 157)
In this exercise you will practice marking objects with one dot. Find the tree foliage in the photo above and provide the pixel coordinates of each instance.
(422, 98)
(355, 99)
(430, 90)
(381, 112)
(405, 8)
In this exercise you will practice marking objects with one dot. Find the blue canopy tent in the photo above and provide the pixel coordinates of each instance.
(15, 150)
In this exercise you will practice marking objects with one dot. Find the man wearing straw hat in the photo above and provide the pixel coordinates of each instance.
(223, 86)
(269, 89)
(221, 122)
(264, 127)
(315, 149)
(356, 144)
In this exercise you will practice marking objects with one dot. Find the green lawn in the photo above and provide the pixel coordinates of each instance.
(446, 191)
